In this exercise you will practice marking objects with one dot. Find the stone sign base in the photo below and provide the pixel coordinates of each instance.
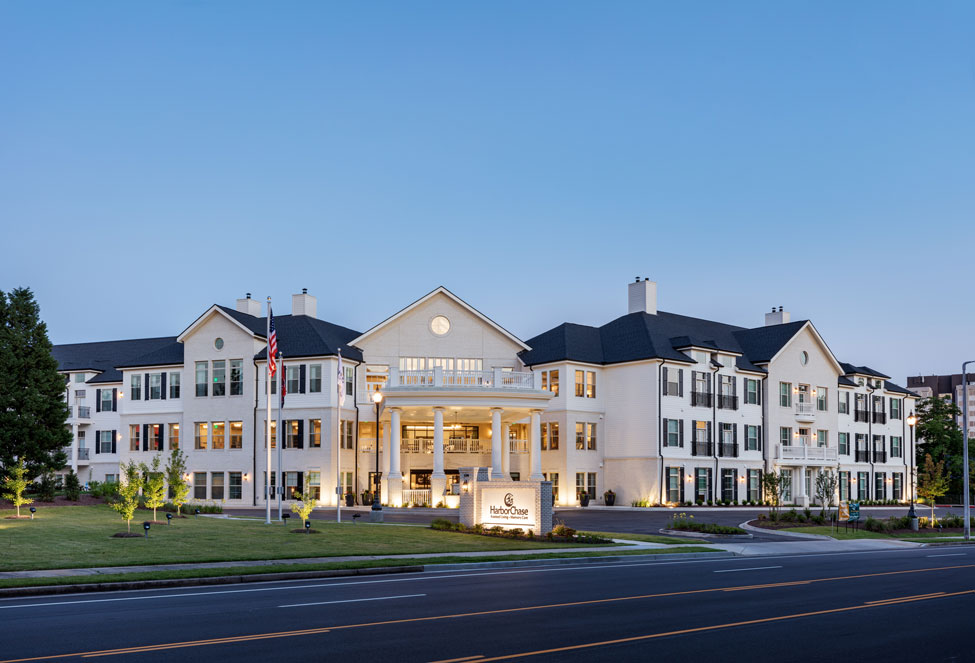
(498, 502)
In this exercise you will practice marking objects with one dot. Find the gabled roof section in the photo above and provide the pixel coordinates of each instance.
(247, 323)
(167, 355)
(890, 386)
(104, 356)
(762, 343)
(844, 381)
(440, 290)
(850, 369)
(304, 336)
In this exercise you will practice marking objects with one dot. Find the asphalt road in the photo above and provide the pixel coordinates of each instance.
(894, 606)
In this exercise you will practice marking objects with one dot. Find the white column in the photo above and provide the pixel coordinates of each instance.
(506, 452)
(496, 442)
(74, 449)
(394, 483)
(802, 494)
(438, 481)
(535, 446)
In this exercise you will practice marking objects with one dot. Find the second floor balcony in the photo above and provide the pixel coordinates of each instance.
(861, 415)
(805, 453)
(727, 402)
(862, 456)
(728, 449)
(879, 456)
(702, 448)
(452, 379)
(701, 399)
(880, 417)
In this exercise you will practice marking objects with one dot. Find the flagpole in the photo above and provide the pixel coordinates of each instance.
(267, 424)
(280, 434)
(338, 440)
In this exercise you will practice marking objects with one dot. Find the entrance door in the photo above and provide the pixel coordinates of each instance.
(420, 479)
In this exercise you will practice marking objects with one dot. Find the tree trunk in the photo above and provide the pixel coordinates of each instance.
(932, 514)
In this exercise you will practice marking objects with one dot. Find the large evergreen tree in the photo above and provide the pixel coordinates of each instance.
(32, 408)
(939, 436)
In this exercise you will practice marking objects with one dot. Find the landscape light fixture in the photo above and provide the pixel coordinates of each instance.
(145, 526)
(33, 510)
(284, 518)
(196, 512)
(377, 398)
(911, 422)
(308, 526)
(169, 519)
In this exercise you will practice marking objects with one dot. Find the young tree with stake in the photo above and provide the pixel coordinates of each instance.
(305, 503)
(128, 492)
(932, 482)
(772, 487)
(154, 491)
(175, 470)
(16, 483)
(826, 483)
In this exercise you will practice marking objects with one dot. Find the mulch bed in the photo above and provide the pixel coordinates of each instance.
(16, 517)
(305, 531)
(84, 500)
(126, 535)
(767, 524)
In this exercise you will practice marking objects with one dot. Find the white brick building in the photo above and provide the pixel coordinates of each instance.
(655, 406)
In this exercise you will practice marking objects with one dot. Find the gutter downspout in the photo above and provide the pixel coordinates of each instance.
(870, 446)
(257, 390)
(715, 433)
(661, 432)
(355, 399)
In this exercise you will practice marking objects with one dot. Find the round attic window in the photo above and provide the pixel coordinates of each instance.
(218, 344)
(803, 357)
(440, 325)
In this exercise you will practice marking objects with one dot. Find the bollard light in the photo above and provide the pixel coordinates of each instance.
(355, 517)
(33, 510)
(145, 526)
(169, 519)
(308, 526)
(196, 513)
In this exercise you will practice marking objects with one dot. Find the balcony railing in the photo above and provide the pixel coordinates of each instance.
(466, 445)
(879, 456)
(728, 449)
(82, 454)
(727, 402)
(807, 453)
(862, 456)
(880, 417)
(700, 399)
(417, 496)
(806, 409)
(701, 448)
(84, 412)
(438, 377)
(861, 415)
(518, 446)
(368, 444)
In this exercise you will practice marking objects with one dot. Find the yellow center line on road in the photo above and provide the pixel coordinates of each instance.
(407, 620)
(461, 660)
(700, 629)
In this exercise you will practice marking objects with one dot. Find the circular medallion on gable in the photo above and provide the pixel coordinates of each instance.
(440, 325)
(803, 357)
(218, 344)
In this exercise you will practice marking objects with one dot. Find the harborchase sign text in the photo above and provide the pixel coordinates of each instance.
(508, 507)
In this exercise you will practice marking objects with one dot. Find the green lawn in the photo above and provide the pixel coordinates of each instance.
(649, 538)
(70, 537)
(838, 533)
(279, 568)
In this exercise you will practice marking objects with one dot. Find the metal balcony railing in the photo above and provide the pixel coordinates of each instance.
(728, 449)
(880, 417)
(861, 415)
(702, 448)
(83, 454)
(727, 402)
(700, 399)
(862, 456)
(880, 456)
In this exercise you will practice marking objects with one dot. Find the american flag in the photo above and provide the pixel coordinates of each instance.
(272, 344)
(284, 384)
(340, 381)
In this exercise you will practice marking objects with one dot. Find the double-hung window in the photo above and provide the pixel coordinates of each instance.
(314, 378)
(550, 381)
(202, 433)
(236, 434)
(752, 438)
(822, 438)
(315, 433)
(896, 447)
(135, 392)
(672, 381)
(220, 377)
(553, 436)
(174, 385)
(843, 441)
(294, 379)
(580, 384)
(843, 402)
(173, 436)
(107, 400)
(200, 485)
(134, 438)
(236, 377)
(202, 377)
(785, 394)
(752, 393)
(672, 433)
(349, 379)
(216, 485)
(785, 436)
(347, 436)
(236, 486)
(754, 485)
(218, 435)
(895, 408)
(821, 399)
(105, 442)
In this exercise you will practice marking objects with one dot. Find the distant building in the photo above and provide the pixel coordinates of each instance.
(947, 386)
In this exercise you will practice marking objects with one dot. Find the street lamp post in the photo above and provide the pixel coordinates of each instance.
(911, 421)
(377, 398)
(964, 445)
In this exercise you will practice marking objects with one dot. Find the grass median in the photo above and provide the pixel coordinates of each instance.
(73, 537)
(325, 566)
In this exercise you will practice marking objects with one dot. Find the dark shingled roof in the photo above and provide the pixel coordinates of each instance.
(302, 335)
(167, 355)
(850, 369)
(890, 386)
(846, 382)
(647, 336)
(105, 356)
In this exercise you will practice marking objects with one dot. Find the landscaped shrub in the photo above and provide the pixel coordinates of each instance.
(72, 487)
(105, 490)
(191, 507)
(790, 516)
(684, 522)
(45, 488)
(441, 524)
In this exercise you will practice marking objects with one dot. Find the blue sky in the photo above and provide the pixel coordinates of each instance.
(156, 158)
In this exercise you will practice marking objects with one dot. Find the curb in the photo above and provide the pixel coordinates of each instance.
(703, 535)
(662, 557)
(776, 532)
(43, 590)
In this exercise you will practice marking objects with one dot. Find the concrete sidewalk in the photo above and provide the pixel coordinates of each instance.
(759, 549)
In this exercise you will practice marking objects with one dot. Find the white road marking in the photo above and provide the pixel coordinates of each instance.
(948, 555)
(434, 574)
(753, 568)
(377, 598)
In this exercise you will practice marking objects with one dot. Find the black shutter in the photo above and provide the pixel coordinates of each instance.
(665, 438)
(146, 378)
(665, 381)
(710, 439)
(711, 491)
(98, 400)
(300, 442)
(693, 437)
(162, 381)
(300, 484)
(98, 437)
(734, 437)
(301, 378)
(681, 482)
(114, 440)
(759, 438)
(735, 482)
(114, 402)
(680, 382)
(680, 432)
(145, 437)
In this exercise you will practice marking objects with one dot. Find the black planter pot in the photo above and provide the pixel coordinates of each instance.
(349, 499)
(584, 500)
(610, 499)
